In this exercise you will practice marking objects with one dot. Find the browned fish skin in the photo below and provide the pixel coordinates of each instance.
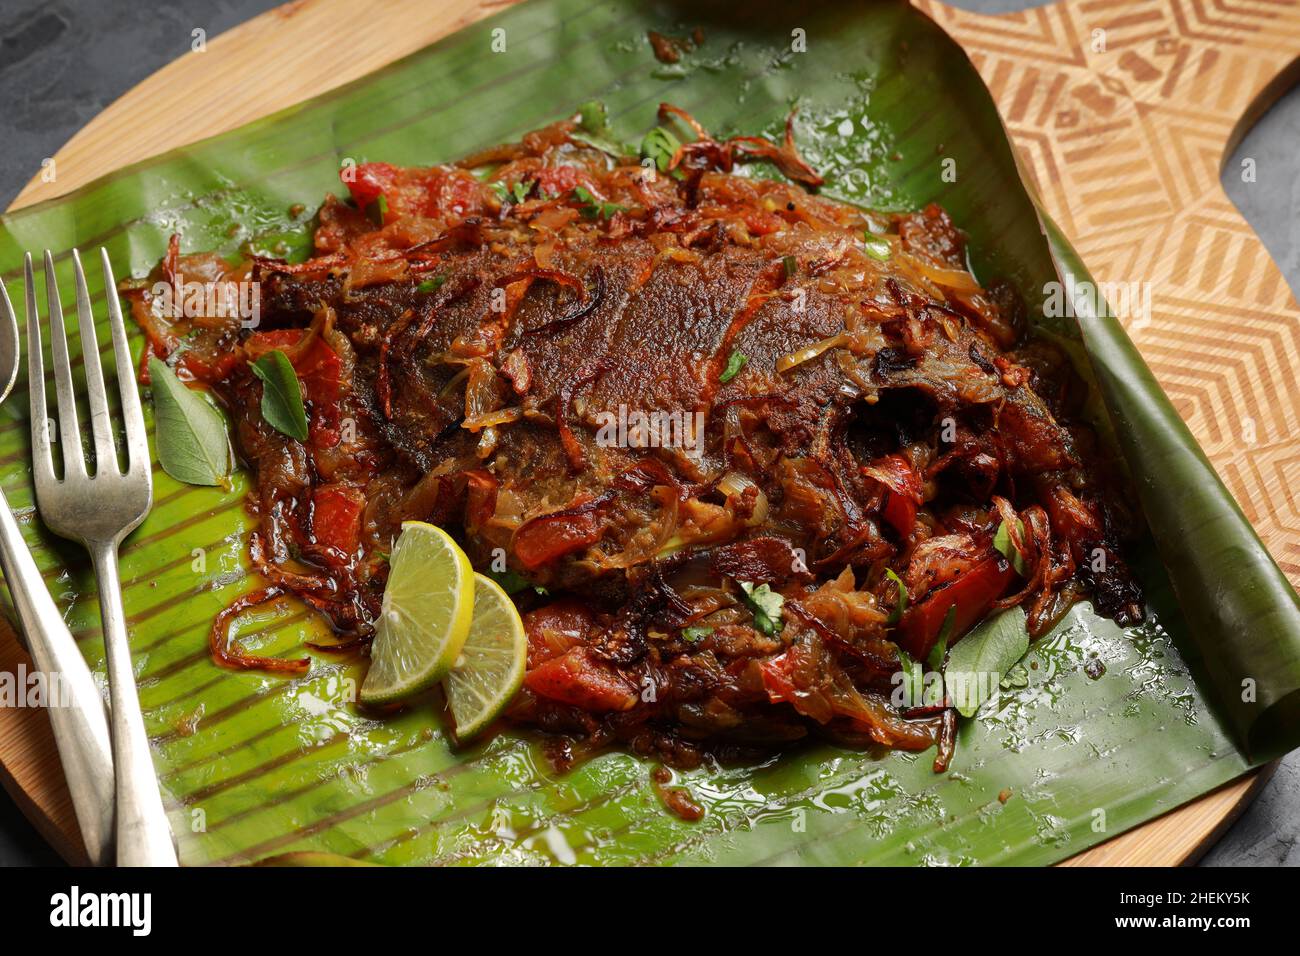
(836, 396)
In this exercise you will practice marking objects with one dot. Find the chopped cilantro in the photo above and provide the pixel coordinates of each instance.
(765, 604)
(735, 362)
(660, 145)
(696, 632)
(594, 208)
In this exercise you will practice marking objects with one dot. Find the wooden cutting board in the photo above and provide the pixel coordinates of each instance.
(1123, 112)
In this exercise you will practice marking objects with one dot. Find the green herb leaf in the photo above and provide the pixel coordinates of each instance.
(431, 285)
(896, 614)
(594, 208)
(378, 210)
(940, 649)
(190, 433)
(511, 194)
(735, 362)
(876, 247)
(1003, 543)
(696, 632)
(281, 395)
(512, 582)
(766, 605)
(913, 679)
(980, 660)
(594, 130)
(660, 145)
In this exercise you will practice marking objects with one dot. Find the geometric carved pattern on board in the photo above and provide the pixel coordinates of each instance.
(1123, 113)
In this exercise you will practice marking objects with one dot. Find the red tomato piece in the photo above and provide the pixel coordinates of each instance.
(972, 595)
(556, 628)
(548, 537)
(578, 678)
(368, 181)
(336, 517)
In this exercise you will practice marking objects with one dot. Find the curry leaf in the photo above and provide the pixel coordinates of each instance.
(281, 395)
(979, 661)
(190, 433)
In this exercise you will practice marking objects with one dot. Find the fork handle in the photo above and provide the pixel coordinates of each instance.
(143, 836)
(77, 711)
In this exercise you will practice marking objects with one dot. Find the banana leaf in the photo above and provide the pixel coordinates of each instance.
(256, 766)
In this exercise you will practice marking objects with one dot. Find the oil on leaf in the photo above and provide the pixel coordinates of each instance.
(190, 433)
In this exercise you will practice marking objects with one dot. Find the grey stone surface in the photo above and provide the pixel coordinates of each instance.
(63, 62)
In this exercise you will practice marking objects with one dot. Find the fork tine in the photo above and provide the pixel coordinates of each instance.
(42, 463)
(101, 425)
(74, 462)
(137, 441)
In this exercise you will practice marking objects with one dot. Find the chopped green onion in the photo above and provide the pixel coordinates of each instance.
(940, 649)
(431, 285)
(1007, 548)
(896, 614)
(791, 266)
(378, 210)
(696, 632)
(876, 247)
(594, 208)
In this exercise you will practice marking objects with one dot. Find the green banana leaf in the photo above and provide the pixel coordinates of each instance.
(256, 766)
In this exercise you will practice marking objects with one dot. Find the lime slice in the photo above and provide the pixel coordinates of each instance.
(491, 663)
(425, 616)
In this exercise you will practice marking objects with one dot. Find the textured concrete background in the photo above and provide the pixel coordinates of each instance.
(62, 62)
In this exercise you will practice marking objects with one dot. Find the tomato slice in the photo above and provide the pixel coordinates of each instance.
(336, 517)
(551, 536)
(903, 491)
(900, 512)
(368, 181)
(972, 595)
(580, 679)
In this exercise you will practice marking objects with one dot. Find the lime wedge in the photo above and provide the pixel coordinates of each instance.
(491, 664)
(425, 617)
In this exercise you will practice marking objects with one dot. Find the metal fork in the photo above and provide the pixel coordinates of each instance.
(76, 714)
(99, 511)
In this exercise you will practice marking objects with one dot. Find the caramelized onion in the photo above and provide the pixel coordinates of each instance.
(787, 362)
